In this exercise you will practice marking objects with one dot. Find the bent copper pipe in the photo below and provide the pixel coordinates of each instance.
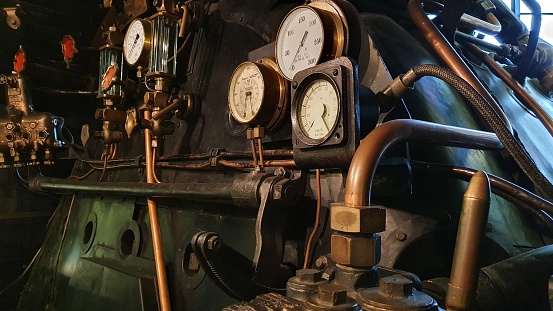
(373, 146)
(161, 275)
(520, 93)
(450, 57)
(490, 27)
(463, 281)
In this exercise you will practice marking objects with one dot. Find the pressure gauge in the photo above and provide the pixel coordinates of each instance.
(257, 94)
(308, 35)
(318, 108)
(136, 46)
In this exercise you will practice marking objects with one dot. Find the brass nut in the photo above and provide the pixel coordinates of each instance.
(360, 251)
(309, 275)
(357, 219)
(332, 295)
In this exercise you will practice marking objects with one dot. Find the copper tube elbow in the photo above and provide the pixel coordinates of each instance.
(366, 158)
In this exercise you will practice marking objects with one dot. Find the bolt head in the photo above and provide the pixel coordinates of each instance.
(309, 275)
(396, 286)
(214, 243)
(332, 294)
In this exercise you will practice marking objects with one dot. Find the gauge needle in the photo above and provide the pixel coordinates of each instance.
(310, 126)
(134, 43)
(299, 48)
(248, 96)
(323, 117)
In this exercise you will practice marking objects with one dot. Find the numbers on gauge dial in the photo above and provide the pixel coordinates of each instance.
(299, 42)
(246, 92)
(319, 109)
(134, 42)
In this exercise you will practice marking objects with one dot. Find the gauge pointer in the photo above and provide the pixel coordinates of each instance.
(248, 96)
(134, 43)
(310, 126)
(323, 117)
(299, 48)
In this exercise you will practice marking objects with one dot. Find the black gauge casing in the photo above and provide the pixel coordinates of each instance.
(337, 148)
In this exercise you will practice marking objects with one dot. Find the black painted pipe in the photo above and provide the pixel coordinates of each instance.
(191, 191)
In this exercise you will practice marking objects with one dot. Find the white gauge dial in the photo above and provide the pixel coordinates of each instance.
(246, 92)
(300, 41)
(318, 109)
(136, 44)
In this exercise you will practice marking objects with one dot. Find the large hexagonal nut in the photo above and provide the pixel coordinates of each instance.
(359, 250)
(357, 219)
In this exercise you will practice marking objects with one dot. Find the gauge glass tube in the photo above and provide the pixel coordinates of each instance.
(299, 41)
(318, 109)
(134, 42)
(246, 92)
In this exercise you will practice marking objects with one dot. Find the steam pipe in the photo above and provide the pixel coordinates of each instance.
(526, 99)
(189, 191)
(163, 288)
(524, 64)
(463, 281)
(490, 28)
(363, 165)
(446, 52)
(505, 189)
(517, 283)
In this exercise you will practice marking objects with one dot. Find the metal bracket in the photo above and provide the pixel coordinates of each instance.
(11, 17)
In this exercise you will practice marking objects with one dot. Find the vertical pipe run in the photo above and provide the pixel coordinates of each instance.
(463, 281)
(161, 275)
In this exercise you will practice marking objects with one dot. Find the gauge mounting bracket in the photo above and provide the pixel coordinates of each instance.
(336, 148)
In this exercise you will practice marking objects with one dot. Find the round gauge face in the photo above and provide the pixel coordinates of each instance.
(318, 109)
(300, 41)
(134, 45)
(245, 94)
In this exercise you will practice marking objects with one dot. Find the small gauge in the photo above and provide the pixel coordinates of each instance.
(308, 35)
(318, 108)
(246, 92)
(257, 94)
(136, 46)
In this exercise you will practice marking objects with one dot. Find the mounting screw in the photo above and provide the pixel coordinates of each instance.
(335, 72)
(214, 243)
(294, 84)
(321, 262)
(401, 236)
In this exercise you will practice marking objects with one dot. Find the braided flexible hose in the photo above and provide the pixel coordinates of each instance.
(513, 146)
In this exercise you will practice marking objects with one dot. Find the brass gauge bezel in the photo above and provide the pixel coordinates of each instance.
(144, 57)
(335, 132)
(273, 107)
(334, 35)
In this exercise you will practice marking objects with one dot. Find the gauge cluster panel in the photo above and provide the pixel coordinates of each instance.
(325, 114)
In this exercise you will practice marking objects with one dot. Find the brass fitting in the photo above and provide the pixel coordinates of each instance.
(357, 219)
(355, 250)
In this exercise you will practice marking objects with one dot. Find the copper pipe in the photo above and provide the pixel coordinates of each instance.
(252, 144)
(260, 148)
(268, 163)
(446, 52)
(526, 99)
(474, 23)
(463, 281)
(363, 165)
(161, 275)
(317, 220)
(184, 19)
